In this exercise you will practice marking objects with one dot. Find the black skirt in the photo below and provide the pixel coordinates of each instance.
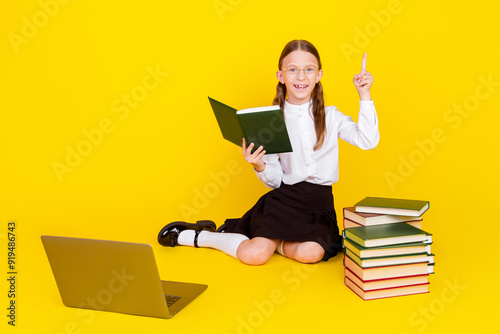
(299, 212)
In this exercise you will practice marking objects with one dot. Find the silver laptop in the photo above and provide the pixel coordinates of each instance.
(114, 276)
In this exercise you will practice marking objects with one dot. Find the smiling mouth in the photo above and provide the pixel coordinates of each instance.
(300, 87)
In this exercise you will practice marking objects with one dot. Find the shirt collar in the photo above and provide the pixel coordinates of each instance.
(298, 109)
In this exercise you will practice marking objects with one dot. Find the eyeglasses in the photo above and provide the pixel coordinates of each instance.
(293, 70)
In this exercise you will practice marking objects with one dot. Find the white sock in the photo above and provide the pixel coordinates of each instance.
(186, 238)
(225, 242)
(279, 248)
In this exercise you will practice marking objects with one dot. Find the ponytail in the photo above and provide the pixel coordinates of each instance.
(318, 111)
(280, 97)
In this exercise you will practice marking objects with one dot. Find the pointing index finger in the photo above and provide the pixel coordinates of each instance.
(363, 63)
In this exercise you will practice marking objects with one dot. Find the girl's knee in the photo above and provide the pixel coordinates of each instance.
(256, 252)
(254, 259)
(310, 252)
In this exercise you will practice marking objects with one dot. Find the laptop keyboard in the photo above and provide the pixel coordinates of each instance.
(171, 299)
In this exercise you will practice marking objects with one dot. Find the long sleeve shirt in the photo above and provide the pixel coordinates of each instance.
(320, 166)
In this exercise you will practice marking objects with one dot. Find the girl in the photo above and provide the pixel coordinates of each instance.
(297, 218)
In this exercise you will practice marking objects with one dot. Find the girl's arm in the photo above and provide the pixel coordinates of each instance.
(363, 134)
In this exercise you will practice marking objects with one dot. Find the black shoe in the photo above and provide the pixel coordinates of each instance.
(169, 234)
(222, 228)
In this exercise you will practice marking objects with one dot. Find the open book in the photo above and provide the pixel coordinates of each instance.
(263, 126)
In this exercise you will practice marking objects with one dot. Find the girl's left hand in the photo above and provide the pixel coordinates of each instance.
(363, 81)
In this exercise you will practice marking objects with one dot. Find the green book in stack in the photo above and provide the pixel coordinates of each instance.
(392, 206)
(389, 260)
(263, 126)
(387, 234)
(389, 250)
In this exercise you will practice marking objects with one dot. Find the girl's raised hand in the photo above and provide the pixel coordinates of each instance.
(255, 158)
(363, 81)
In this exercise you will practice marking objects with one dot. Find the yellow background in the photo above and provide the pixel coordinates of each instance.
(67, 69)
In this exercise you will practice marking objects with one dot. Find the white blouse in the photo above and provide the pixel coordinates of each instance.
(321, 166)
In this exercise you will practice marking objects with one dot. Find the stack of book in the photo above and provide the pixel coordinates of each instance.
(386, 252)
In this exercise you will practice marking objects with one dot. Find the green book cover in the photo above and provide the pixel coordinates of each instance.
(386, 234)
(410, 207)
(264, 126)
(390, 260)
(388, 250)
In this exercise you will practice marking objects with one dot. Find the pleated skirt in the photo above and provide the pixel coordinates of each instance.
(299, 212)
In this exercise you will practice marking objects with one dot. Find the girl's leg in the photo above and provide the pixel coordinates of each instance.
(228, 243)
(302, 251)
(256, 251)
